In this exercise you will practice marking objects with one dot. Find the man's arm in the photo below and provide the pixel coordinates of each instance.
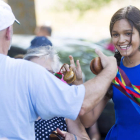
(96, 88)
(51, 97)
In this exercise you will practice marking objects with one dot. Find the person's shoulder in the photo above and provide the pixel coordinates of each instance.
(18, 62)
(25, 65)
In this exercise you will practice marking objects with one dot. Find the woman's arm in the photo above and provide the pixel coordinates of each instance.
(74, 128)
(90, 118)
(94, 132)
(77, 128)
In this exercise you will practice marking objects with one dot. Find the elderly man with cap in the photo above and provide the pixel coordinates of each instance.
(28, 90)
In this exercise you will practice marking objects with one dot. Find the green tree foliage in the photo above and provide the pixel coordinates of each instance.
(82, 5)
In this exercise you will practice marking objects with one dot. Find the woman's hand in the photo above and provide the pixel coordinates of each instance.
(76, 69)
(66, 135)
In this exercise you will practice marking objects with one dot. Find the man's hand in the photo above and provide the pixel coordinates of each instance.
(97, 87)
(108, 62)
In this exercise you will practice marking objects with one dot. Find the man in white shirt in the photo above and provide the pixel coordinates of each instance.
(27, 90)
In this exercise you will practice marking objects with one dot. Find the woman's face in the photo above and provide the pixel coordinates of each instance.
(121, 34)
(44, 63)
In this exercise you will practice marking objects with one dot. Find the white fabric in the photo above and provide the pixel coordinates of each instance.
(27, 91)
(7, 17)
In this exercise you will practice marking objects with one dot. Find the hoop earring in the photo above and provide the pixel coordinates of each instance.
(116, 51)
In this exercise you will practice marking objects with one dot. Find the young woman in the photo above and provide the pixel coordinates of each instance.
(125, 34)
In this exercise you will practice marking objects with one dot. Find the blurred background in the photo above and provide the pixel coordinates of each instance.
(76, 27)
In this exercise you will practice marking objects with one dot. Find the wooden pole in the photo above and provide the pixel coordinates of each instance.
(24, 11)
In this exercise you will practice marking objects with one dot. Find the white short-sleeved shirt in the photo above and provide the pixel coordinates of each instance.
(27, 91)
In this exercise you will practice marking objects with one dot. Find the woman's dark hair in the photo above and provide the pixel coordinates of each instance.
(132, 15)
